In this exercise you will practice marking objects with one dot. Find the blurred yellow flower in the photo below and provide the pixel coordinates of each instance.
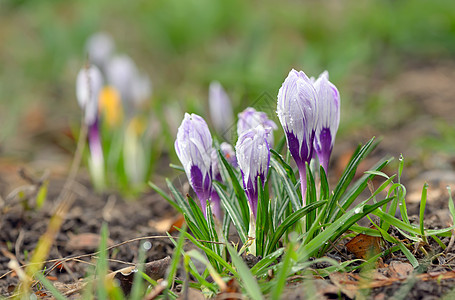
(137, 126)
(110, 106)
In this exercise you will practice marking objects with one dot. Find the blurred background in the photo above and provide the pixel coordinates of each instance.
(393, 62)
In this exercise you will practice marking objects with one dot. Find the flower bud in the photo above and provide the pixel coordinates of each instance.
(100, 47)
(89, 83)
(120, 73)
(250, 118)
(253, 157)
(297, 111)
(228, 151)
(220, 106)
(194, 149)
(328, 118)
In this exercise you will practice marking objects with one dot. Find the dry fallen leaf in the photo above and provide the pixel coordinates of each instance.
(167, 224)
(398, 269)
(193, 294)
(364, 246)
(155, 270)
(232, 291)
(345, 283)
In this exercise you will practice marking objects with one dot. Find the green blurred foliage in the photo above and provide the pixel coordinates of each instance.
(249, 46)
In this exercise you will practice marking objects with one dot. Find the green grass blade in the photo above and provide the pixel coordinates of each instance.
(324, 184)
(165, 196)
(348, 175)
(180, 200)
(49, 286)
(262, 266)
(176, 258)
(294, 217)
(177, 167)
(336, 229)
(289, 186)
(423, 204)
(210, 253)
(233, 212)
(262, 219)
(102, 264)
(249, 282)
(285, 165)
(408, 255)
(282, 274)
(239, 191)
(138, 284)
(451, 205)
(199, 218)
(396, 222)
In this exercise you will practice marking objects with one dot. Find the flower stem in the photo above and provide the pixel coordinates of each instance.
(302, 173)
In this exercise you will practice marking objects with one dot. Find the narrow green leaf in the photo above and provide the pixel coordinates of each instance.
(348, 175)
(233, 212)
(451, 205)
(42, 194)
(336, 229)
(49, 286)
(357, 188)
(294, 217)
(423, 204)
(377, 173)
(180, 200)
(408, 255)
(249, 282)
(262, 219)
(240, 193)
(324, 184)
(210, 253)
(138, 283)
(176, 258)
(280, 145)
(102, 264)
(262, 266)
(282, 274)
(289, 186)
(285, 165)
(165, 196)
(197, 214)
(396, 222)
(177, 167)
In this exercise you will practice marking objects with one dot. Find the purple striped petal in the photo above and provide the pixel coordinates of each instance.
(250, 118)
(328, 118)
(253, 156)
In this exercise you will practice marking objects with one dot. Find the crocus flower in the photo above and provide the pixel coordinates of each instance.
(220, 107)
(253, 156)
(328, 118)
(88, 86)
(250, 118)
(194, 149)
(297, 111)
(141, 90)
(120, 73)
(229, 153)
(100, 47)
(89, 83)
(134, 155)
(110, 105)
